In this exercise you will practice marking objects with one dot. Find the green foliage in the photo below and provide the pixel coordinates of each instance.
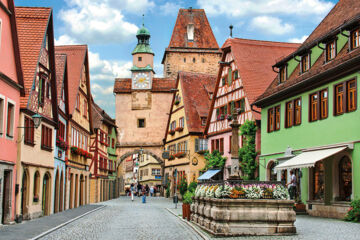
(192, 186)
(214, 160)
(353, 213)
(168, 189)
(183, 186)
(247, 153)
(187, 198)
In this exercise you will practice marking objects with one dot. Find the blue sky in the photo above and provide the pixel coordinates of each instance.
(109, 28)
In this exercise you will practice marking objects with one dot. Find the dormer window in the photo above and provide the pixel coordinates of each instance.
(282, 74)
(355, 39)
(203, 121)
(330, 50)
(139, 59)
(305, 63)
(190, 32)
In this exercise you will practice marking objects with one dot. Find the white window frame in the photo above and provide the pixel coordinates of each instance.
(12, 118)
(2, 114)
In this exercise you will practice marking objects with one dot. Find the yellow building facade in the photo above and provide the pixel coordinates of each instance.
(149, 172)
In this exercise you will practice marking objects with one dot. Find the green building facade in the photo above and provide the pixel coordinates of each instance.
(112, 151)
(310, 116)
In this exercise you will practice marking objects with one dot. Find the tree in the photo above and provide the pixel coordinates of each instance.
(247, 154)
(214, 160)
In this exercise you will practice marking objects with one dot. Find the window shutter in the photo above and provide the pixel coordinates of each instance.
(229, 77)
(196, 145)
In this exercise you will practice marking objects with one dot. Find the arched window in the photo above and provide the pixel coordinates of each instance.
(271, 171)
(345, 179)
(318, 181)
(36, 186)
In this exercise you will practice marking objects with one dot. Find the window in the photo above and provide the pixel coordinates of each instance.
(236, 75)
(10, 120)
(318, 181)
(355, 39)
(194, 60)
(77, 105)
(173, 125)
(203, 121)
(41, 93)
(29, 131)
(155, 172)
(139, 59)
(2, 104)
(230, 141)
(240, 105)
(330, 50)
(190, 32)
(221, 149)
(282, 74)
(223, 82)
(141, 123)
(289, 111)
(323, 104)
(277, 118)
(181, 122)
(201, 145)
(305, 63)
(229, 76)
(345, 179)
(112, 143)
(339, 99)
(181, 147)
(351, 95)
(46, 137)
(184, 60)
(314, 102)
(85, 113)
(271, 120)
(297, 113)
(203, 60)
(61, 130)
(36, 186)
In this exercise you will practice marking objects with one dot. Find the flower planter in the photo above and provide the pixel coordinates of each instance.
(172, 132)
(186, 211)
(179, 129)
(180, 155)
(229, 117)
(177, 102)
(222, 117)
(240, 217)
(201, 152)
(171, 157)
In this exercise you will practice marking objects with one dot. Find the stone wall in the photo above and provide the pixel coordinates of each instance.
(237, 217)
(190, 62)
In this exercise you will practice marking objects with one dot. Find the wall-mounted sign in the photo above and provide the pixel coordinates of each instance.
(195, 161)
(165, 155)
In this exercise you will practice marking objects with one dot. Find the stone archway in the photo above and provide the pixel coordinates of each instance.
(46, 191)
(144, 151)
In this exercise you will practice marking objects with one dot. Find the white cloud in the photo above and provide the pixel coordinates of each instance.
(132, 6)
(96, 22)
(298, 40)
(170, 8)
(271, 25)
(96, 88)
(236, 8)
(65, 40)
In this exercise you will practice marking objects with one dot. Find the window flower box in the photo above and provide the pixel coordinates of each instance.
(180, 154)
(172, 132)
(177, 102)
(179, 129)
(222, 117)
(201, 152)
(229, 117)
(81, 152)
(60, 142)
(171, 157)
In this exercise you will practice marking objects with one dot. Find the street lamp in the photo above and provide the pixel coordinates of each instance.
(37, 120)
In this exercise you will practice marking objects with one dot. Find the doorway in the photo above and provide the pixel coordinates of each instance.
(81, 196)
(56, 199)
(6, 203)
(61, 192)
(46, 195)
(24, 195)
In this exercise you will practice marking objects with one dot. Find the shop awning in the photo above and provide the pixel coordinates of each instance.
(208, 174)
(308, 159)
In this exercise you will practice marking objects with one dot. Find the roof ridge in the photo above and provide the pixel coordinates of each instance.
(71, 45)
(263, 41)
(29, 7)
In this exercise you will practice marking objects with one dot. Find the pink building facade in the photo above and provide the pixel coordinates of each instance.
(11, 86)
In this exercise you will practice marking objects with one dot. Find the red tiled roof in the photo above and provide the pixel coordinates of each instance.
(100, 115)
(32, 24)
(60, 62)
(203, 35)
(195, 91)
(343, 12)
(75, 61)
(254, 60)
(123, 85)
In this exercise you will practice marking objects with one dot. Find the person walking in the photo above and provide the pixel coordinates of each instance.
(152, 191)
(292, 185)
(132, 189)
(139, 188)
(147, 189)
(144, 194)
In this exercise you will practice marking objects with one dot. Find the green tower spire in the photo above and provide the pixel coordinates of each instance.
(143, 36)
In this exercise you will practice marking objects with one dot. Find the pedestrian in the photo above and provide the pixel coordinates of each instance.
(143, 195)
(132, 188)
(147, 189)
(152, 191)
(139, 188)
(292, 185)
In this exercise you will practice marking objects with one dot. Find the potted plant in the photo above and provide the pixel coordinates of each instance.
(179, 129)
(187, 200)
(177, 101)
(172, 132)
(171, 157)
(222, 117)
(180, 154)
(229, 117)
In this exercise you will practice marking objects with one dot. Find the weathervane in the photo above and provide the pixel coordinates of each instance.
(143, 19)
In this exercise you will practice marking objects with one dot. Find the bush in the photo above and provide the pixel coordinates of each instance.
(187, 198)
(353, 213)
(214, 160)
(168, 190)
(247, 154)
(192, 186)
(183, 187)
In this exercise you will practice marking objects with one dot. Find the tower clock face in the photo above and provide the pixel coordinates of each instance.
(141, 80)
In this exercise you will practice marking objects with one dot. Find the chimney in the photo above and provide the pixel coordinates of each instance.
(231, 28)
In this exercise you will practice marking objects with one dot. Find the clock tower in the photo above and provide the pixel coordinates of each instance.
(143, 62)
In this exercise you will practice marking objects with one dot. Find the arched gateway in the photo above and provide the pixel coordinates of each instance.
(141, 151)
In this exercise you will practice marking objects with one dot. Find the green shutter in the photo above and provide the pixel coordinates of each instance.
(232, 105)
(222, 81)
(225, 110)
(217, 112)
(230, 77)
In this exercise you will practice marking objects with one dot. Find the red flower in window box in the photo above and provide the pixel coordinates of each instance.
(171, 157)
(180, 154)
(60, 142)
(172, 132)
(179, 129)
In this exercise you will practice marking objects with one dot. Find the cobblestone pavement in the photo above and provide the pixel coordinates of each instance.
(123, 219)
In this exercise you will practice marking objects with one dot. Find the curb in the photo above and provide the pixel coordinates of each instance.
(201, 234)
(65, 223)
